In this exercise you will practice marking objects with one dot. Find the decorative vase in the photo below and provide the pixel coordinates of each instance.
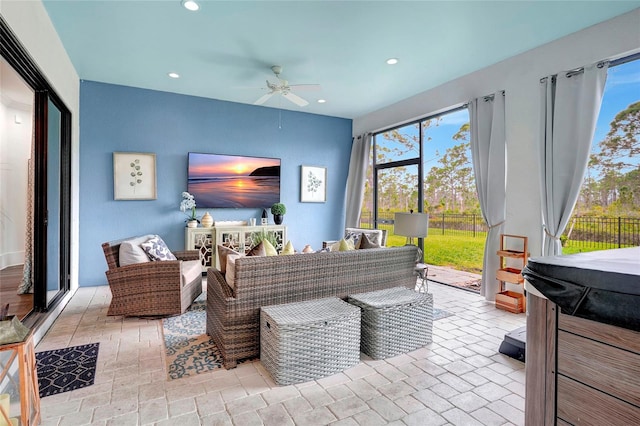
(277, 218)
(192, 224)
(307, 249)
(207, 220)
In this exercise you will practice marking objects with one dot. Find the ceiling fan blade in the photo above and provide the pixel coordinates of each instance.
(295, 99)
(304, 87)
(263, 99)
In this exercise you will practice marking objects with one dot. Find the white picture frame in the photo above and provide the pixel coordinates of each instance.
(313, 184)
(134, 176)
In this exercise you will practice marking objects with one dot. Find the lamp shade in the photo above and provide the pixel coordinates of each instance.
(411, 224)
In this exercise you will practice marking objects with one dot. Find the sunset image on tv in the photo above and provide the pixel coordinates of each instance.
(231, 181)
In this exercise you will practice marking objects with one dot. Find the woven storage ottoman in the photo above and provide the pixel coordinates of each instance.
(394, 321)
(308, 340)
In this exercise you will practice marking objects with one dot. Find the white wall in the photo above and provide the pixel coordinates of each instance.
(30, 23)
(520, 77)
(15, 151)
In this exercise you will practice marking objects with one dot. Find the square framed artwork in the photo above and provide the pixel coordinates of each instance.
(313, 184)
(134, 176)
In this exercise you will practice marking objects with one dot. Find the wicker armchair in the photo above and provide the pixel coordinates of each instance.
(152, 288)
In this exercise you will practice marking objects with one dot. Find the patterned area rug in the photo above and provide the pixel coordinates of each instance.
(67, 369)
(188, 348)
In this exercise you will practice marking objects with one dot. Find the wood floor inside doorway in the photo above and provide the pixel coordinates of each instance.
(19, 304)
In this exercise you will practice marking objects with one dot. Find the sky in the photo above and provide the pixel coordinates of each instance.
(622, 89)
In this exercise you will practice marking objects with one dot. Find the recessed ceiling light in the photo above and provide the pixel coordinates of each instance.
(392, 61)
(321, 101)
(190, 5)
(174, 75)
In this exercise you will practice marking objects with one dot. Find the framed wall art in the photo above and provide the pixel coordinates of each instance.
(313, 184)
(134, 176)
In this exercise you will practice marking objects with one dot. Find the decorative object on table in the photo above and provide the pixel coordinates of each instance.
(134, 176)
(207, 220)
(265, 220)
(12, 330)
(67, 369)
(313, 184)
(307, 249)
(278, 211)
(252, 221)
(188, 206)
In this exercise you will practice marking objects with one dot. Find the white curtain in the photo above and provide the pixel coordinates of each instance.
(570, 104)
(356, 178)
(489, 155)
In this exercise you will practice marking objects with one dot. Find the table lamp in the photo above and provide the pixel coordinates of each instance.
(411, 225)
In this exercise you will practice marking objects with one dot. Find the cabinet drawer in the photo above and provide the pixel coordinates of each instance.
(610, 369)
(581, 405)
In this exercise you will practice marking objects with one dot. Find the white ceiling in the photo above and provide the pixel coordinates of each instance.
(225, 50)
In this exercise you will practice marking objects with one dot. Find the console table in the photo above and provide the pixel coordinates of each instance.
(241, 238)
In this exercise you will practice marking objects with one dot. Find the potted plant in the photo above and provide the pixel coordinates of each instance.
(278, 210)
(188, 204)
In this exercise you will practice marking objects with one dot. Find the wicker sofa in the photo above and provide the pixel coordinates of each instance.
(233, 316)
(152, 288)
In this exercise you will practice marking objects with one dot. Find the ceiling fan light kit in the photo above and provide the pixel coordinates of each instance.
(283, 88)
(190, 5)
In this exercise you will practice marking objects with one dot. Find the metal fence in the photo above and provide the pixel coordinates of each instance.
(582, 231)
(602, 232)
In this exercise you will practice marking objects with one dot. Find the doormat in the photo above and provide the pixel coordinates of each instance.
(189, 350)
(63, 370)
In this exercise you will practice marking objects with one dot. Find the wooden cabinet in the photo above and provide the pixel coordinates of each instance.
(241, 238)
(513, 254)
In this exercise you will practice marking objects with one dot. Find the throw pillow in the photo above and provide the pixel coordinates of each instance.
(342, 245)
(259, 250)
(223, 252)
(366, 243)
(288, 249)
(131, 253)
(230, 275)
(269, 248)
(156, 249)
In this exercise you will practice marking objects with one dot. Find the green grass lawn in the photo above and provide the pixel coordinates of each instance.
(464, 253)
(460, 252)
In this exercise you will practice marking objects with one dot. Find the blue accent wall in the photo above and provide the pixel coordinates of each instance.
(124, 119)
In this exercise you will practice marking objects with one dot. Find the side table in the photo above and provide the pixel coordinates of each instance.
(19, 384)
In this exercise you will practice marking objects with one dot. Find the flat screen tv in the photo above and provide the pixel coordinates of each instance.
(233, 181)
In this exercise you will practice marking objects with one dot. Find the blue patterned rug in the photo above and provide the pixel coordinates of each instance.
(188, 348)
(67, 369)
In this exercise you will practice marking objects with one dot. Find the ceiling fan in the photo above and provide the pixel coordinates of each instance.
(285, 89)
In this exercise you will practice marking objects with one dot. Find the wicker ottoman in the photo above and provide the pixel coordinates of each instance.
(308, 340)
(394, 321)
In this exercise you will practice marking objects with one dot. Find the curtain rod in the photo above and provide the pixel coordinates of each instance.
(612, 63)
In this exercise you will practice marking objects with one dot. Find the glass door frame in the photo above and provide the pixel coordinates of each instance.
(18, 58)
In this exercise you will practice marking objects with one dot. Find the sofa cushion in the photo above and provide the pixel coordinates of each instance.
(223, 252)
(157, 249)
(130, 251)
(189, 271)
(259, 250)
(366, 243)
(230, 275)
